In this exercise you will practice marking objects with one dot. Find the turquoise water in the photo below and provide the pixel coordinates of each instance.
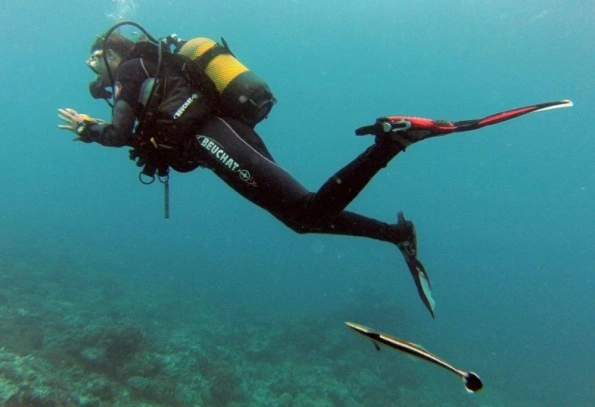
(504, 215)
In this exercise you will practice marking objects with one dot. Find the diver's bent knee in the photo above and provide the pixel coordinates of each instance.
(299, 228)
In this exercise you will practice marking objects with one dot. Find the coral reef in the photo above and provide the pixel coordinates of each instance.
(81, 337)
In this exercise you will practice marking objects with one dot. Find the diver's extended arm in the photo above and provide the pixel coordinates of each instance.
(116, 134)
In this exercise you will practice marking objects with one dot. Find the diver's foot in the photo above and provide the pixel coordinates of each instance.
(397, 130)
(394, 129)
(406, 239)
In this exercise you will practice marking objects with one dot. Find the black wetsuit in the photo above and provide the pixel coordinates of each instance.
(238, 156)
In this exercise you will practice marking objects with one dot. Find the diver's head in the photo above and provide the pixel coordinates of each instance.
(106, 56)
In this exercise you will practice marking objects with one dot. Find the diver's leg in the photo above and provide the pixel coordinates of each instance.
(347, 183)
(251, 172)
(228, 148)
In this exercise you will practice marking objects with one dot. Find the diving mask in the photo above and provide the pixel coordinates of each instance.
(95, 59)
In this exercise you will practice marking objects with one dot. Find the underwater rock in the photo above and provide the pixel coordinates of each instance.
(122, 344)
(107, 350)
(29, 381)
(94, 358)
(101, 387)
(225, 385)
(141, 386)
(22, 331)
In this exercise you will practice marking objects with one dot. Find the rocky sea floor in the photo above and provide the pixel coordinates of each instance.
(84, 337)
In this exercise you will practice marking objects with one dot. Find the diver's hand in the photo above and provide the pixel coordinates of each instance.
(73, 120)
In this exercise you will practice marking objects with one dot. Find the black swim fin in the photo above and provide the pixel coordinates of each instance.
(408, 248)
(422, 282)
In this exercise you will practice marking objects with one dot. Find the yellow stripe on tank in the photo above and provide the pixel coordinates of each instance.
(196, 47)
(223, 69)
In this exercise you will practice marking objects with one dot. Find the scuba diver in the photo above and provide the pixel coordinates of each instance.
(196, 106)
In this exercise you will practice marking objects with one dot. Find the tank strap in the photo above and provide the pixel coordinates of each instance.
(211, 54)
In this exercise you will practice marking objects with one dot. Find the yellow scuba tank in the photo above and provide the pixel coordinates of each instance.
(241, 94)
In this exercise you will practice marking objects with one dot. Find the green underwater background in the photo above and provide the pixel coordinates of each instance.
(103, 302)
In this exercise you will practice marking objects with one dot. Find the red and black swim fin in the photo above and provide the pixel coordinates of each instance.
(417, 128)
(467, 125)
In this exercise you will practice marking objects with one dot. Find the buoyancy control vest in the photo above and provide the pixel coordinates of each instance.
(171, 104)
(205, 73)
(168, 109)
